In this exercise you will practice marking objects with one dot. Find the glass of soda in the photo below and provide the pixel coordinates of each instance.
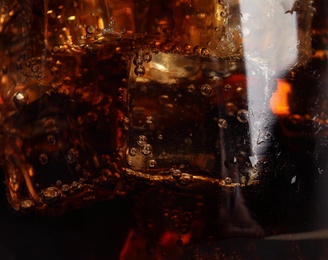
(210, 115)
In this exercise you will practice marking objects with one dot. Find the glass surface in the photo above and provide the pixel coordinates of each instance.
(207, 119)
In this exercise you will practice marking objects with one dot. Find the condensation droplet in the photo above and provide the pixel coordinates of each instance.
(191, 88)
(147, 149)
(152, 163)
(222, 123)
(50, 195)
(142, 140)
(185, 179)
(139, 70)
(206, 90)
(72, 155)
(51, 140)
(227, 87)
(43, 159)
(246, 32)
(21, 99)
(227, 180)
(242, 116)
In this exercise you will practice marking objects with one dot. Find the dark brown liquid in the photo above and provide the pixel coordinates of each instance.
(188, 122)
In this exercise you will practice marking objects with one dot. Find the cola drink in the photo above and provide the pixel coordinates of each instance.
(206, 114)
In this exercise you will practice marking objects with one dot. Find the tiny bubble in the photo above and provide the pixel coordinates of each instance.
(185, 179)
(222, 123)
(149, 119)
(142, 140)
(139, 70)
(191, 88)
(72, 155)
(152, 163)
(43, 158)
(90, 29)
(133, 151)
(21, 99)
(50, 195)
(242, 116)
(147, 149)
(206, 90)
(176, 174)
(227, 87)
(51, 140)
(227, 180)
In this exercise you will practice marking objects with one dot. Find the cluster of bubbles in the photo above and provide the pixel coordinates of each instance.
(146, 150)
(141, 57)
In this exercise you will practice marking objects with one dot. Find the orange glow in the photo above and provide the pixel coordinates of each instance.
(279, 100)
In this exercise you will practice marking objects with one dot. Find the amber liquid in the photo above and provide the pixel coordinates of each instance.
(170, 123)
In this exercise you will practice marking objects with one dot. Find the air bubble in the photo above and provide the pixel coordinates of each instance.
(72, 155)
(222, 123)
(90, 29)
(26, 205)
(191, 88)
(78, 167)
(197, 50)
(21, 99)
(142, 140)
(246, 32)
(242, 116)
(206, 90)
(65, 188)
(43, 159)
(176, 174)
(206, 53)
(152, 163)
(93, 48)
(185, 179)
(230, 109)
(227, 87)
(111, 21)
(149, 120)
(138, 61)
(147, 57)
(228, 180)
(147, 149)
(50, 195)
(34, 68)
(133, 151)
(139, 70)
(51, 140)
(105, 175)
